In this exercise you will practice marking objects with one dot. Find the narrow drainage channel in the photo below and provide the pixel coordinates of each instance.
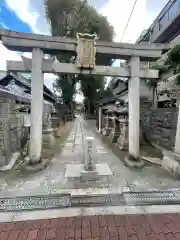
(66, 200)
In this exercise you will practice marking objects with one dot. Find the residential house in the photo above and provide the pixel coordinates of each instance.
(119, 89)
(15, 98)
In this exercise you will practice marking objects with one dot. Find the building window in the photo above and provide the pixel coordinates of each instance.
(164, 21)
(160, 26)
(155, 30)
(174, 10)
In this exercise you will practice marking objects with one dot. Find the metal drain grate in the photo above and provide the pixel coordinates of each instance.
(152, 198)
(35, 202)
(66, 200)
(98, 200)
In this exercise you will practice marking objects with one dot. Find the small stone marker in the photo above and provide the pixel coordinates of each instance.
(89, 171)
(89, 150)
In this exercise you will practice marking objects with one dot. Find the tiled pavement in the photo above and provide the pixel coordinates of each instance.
(115, 227)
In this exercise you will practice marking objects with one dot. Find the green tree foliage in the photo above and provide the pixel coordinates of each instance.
(107, 93)
(67, 18)
(174, 59)
(64, 86)
(174, 55)
(91, 86)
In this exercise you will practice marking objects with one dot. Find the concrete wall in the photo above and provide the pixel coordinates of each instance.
(159, 126)
(12, 133)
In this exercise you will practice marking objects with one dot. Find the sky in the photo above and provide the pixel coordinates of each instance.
(29, 16)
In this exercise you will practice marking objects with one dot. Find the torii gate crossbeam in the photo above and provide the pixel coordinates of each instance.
(48, 66)
(23, 42)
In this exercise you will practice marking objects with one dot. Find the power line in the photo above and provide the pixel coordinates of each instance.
(129, 19)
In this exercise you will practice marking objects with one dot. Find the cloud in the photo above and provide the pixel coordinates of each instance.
(2, 25)
(13, 56)
(7, 55)
(31, 13)
(98, 4)
(10, 55)
(21, 8)
(117, 12)
(156, 6)
(41, 24)
(48, 80)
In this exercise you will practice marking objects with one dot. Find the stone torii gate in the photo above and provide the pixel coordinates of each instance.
(40, 45)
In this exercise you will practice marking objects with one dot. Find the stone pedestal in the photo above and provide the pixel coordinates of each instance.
(77, 172)
(87, 175)
(114, 135)
(48, 138)
(123, 137)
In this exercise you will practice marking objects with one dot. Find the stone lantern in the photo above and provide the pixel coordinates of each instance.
(116, 126)
(109, 121)
(123, 141)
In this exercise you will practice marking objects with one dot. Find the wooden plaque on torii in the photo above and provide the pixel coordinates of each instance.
(86, 51)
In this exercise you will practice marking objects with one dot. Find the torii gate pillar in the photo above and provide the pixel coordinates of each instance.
(36, 106)
(133, 159)
(100, 119)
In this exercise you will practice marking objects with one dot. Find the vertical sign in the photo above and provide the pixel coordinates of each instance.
(86, 50)
(89, 149)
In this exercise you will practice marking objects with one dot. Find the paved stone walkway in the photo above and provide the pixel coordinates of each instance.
(52, 179)
(114, 227)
